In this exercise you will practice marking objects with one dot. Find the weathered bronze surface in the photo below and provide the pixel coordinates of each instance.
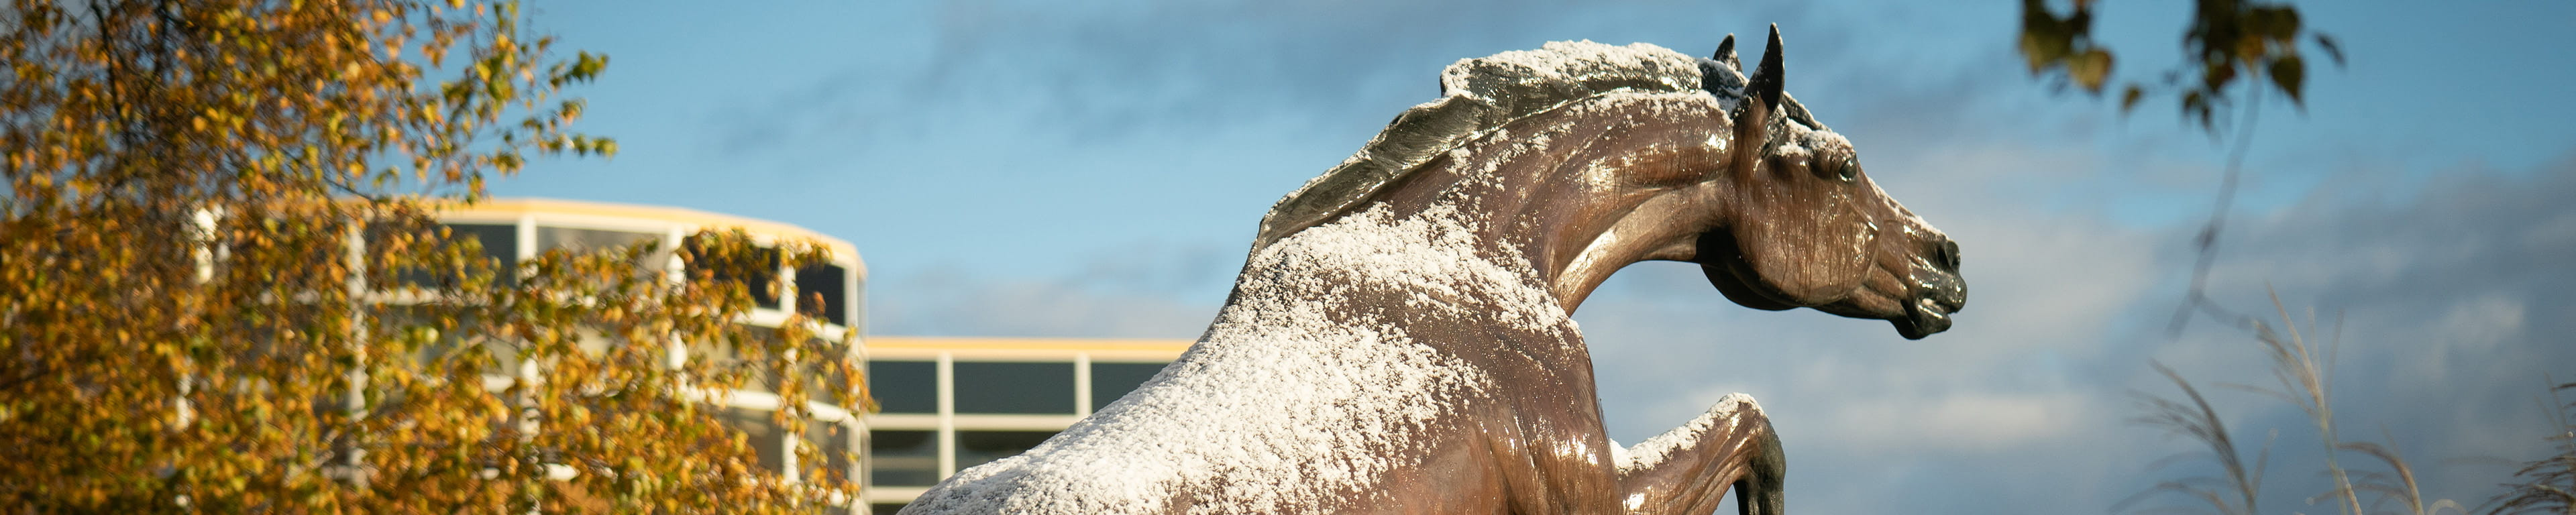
(1736, 177)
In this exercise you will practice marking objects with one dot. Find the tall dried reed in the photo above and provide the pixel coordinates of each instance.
(2548, 484)
(2302, 372)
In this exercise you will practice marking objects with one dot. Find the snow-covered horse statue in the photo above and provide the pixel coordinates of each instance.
(1399, 340)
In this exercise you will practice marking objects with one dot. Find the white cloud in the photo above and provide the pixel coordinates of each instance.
(1958, 423)
(1139, 291)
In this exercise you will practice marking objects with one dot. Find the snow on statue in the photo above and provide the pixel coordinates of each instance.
(1398, 341)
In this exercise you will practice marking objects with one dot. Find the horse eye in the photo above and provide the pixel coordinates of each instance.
(1846, 169)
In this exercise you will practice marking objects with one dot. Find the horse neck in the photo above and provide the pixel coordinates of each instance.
(1559, 196)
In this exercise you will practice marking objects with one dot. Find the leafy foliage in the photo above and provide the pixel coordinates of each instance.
(2227, 40)
(226, 293)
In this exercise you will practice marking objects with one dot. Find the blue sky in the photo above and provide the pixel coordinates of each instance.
(1097, 169)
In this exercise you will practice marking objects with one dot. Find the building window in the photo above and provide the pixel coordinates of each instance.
(1109, 381)
(588, 240)
(580, 241)
(764, 436)
(831, 441)
(1015, 388)
(756, 271)
(904, 386)
(903, 458)
(500, 245)
(827, 283)
(980, 447)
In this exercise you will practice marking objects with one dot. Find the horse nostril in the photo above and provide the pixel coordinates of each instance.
(1950, 255)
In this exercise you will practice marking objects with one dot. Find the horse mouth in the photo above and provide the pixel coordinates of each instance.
(1938, 297)
(1932, 292)
(1922, 318)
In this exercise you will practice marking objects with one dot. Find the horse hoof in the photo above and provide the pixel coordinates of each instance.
(1760, 492)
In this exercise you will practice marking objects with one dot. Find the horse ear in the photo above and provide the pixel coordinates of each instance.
(1726, 53)
(1766, 80)
(1752, 134)
(1753, 120)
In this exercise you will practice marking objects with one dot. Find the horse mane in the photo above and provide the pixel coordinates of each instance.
(1481, 94)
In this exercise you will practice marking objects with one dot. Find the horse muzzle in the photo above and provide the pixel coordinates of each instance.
(1936, 292)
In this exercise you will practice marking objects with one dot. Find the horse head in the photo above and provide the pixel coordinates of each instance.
(1802, 224)
(1728, 172)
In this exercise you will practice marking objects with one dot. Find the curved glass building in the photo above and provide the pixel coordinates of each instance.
(946, 403)
(512, 230)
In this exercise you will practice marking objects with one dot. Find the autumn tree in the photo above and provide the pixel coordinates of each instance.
(222, 288)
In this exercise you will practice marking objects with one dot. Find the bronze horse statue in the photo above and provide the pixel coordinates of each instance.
(1399, 340)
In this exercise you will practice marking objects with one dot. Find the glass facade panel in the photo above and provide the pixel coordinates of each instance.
(726, 354)
(979, 447)
(1109, 381)
(588, 240)
(904, 386)
(824, 282)
(903, 458)
(1014, 388)
(599, 240)
(380, 234)
(764, 435)
(500, 244)
(830, 441)
(757, 272)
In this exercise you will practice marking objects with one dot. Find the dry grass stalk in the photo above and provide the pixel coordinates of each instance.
(2303, 373)
(2549, 484)
(2231, 495)
(2398, 482)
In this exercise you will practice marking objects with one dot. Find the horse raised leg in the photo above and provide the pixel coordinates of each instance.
(1689, 469)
